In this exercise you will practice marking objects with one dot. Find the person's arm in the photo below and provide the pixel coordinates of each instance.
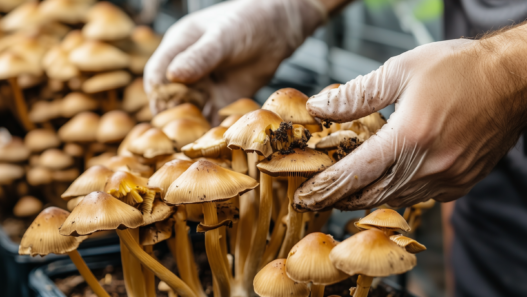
(460, 106)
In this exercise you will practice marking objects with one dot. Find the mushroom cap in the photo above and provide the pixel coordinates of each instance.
(114, 126)
(334, 139)
(65, 11)
(272, 281)
(176, 156)
(74, 202)
(145, 40)
(182, 111)
(92, 180)
(76, 102)
(185, 131)
(374, 121)
(144, 114)
(100, 211)
(27, 206)
(8, 5)
(43, 111)
(152, 143)
(136, 131)
(155, 233)
(239, 107)
(74, 150)
(43, 237)
(211, 145)
(308, 261)
(300, 163)
(72, 40)
(101, 159)
(384, 218)
(290, 105)
(67, 175)
(40, 139)
(98, 56)
(251, 132)
(129, 164)
(160, 212)
(81, 128)
(409, 244)
(107, 22)
(14, 65)
(134, 96)
(39, 176)
(26, 15)
(106, 81)
(14, 151)
(230, 120)
(205, 181)
(356, 126)
(10, 172)
(31, 49)
(167, 174)
(330, 87)
(371, 253)
(55, 159)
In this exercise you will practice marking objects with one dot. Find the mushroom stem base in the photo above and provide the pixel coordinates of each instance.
(87, 274)
(294, 225)
(317, 290)
(363, 286)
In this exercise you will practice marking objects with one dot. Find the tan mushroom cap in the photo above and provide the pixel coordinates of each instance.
(76, 102)
(230, 120)
(182, 111)
(43, 111)
(129, 164)
(205, 181)
(66, 11)
(330, 87)
(145, 40)
(134, 96)
(27, 206)
(98, 56)
(185, 131)
(290, 105)
(114, 126)
(409, 244)
(374, 121)
(8, 5)
(73, 203)
(210, 145)
(66, 175)
(272, 281)
(300, 163)
(24, 16)
(371, 253)
(144, 114)
(151, 144)
(55, 159)
(155, 233)
(14, 65)
(107, 22)
(74, 150)
(106, 81)
(81, 128)
(160, 212)
(92, 180)
(31, 49)
(10, 172)
(308, 261)
(356, 126)
(136, 131)
(167, 174)
(43, 237)
(333, 140)
(72, 40)
(57, 65)
(101, 159)
(251, 132)
(176, 156)
(100, 211)
(239, 107)
(39, 176)
(40, 139)
(384, 219)
(14, 151)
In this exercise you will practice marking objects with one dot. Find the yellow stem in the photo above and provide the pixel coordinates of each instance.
(150, 278)
(136, 196)
(239, 161)
(223, 244)
(159, 270)
(262, 229)
(214, 253)
(407, 212)
(294, 227)
(307, 220)
(363, 286)
(245, 230)
(317, 290)
(321, 218)
(277, 237)
(87, 274)
(137, 279)
(233, 232)
(111, 104)
(20, 104)
(125, 255)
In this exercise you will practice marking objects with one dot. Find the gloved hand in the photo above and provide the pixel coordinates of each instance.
(457, 112)
(230, 50)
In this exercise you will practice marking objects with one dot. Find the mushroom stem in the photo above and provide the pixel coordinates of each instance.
(214, 252)
(307, 220)
(245, 230)
(321, 218)
(239, 161)
(125, 255)
(183, 253)
(367, 211)
(277, 236)
(112, 100)
(159, 270)
(20, 104)
(87, 274)
(150, 278)
(223, 244)
(262, 229)
(317, 290)
(233, 232)
(132, 270)
(294, 226)
(363, 286)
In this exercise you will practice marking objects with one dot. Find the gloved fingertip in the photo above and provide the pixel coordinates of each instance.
(183, 73)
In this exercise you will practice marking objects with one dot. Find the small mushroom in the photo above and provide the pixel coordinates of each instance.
(272, 281)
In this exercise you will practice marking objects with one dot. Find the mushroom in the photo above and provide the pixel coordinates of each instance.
(185, 131)
(136, 131)
(55, 159)
(272, 281)
(182, 111)
(132, 190)
(277, 236)
(109, 82)
(14, 151)
(75, 103)
(413, 213)
(66, 11)
(27, 206)
(151, 144)
(308, 262)
(144, 114)
(168, 173)
(230, 120)
(129, 164)
(409, 244)
(40, 139)
(105, 21)
(93, 179)
(206, 183)
(58, 67)
(343, 141)
(239, 107)
(24, 16)
(330, 87)
(374, 121)
(300, 163)
(370, 254)
(387, 220)
(114, 126)
(82, 128)
(210, 145)
(8, 5)
(42, 238)
(134, 96)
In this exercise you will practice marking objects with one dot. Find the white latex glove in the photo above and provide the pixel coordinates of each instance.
(455, 117)
(230, 50)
